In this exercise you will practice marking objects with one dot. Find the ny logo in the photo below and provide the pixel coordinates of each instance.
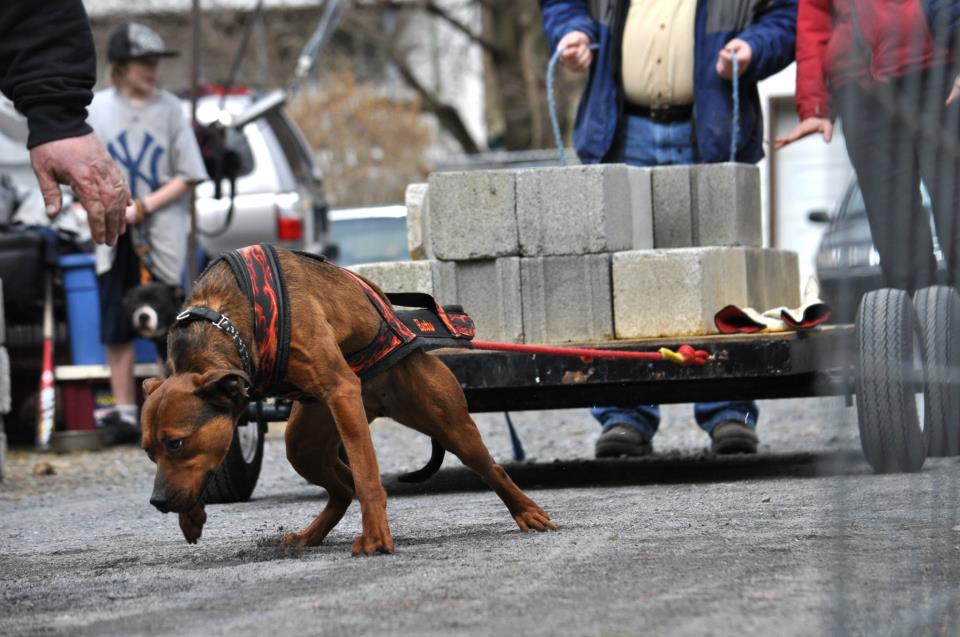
(134, 164)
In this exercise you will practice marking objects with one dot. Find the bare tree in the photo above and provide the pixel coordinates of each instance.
(515, 53)
(369, 147)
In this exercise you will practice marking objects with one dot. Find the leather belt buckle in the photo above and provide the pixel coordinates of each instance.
(660, 114)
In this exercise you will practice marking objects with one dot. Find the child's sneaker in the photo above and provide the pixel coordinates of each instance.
(117, 430)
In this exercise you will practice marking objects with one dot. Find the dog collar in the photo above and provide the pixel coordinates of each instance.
(222, 323)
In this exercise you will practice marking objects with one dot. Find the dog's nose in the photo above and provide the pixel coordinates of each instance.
(143, 319)
(160, 503)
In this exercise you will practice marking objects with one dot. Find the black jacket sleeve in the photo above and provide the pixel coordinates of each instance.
(48, 65)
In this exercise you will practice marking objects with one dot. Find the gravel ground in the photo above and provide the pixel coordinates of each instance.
(800, 539)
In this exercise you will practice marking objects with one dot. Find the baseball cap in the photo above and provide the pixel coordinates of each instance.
(133, 40)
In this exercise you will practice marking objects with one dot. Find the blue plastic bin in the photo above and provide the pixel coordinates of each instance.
(83, 314)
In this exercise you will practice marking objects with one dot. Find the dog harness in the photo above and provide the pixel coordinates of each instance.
(258, 273)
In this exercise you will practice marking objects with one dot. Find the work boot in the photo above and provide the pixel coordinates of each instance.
(733, 436)
(622, 440)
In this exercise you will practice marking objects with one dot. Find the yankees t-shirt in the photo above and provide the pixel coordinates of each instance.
(151, 143)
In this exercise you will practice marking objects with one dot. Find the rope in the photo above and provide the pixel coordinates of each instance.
(552, 104)
(555, 123)
(735, 128)
(685, 354)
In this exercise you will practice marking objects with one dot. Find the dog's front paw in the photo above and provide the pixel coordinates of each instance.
(535, 518)
(191, 523)
(292, 540)
(370, 544)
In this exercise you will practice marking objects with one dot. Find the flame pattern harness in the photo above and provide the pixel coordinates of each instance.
(258, 273)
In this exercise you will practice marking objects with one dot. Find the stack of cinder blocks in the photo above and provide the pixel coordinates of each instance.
(4, 384)
(591, 253)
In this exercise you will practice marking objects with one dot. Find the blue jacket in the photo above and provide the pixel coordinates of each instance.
(768, 26)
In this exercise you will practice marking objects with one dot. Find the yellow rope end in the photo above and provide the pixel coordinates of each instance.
(672, 356)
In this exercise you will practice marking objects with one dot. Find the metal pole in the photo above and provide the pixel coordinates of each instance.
(194, 95)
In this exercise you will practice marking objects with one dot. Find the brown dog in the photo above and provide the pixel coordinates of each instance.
(189, 418)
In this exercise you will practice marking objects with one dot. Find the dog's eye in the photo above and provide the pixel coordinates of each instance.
(174, 445)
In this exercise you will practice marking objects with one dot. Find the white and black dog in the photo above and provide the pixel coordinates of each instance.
(153, 309)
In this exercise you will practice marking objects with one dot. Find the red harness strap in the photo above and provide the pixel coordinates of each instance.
(257, 269)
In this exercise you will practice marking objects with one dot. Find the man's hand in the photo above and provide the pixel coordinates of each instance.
(954, 92)
(83, 164)
(743, 52)
(576, 55)
(808, 126)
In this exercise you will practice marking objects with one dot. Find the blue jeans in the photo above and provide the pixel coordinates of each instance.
(643, 142)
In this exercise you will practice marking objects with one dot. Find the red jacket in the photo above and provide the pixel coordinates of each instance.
(894, 40)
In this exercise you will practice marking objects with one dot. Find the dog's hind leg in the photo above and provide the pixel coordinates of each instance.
(422, 393)
(312, 444)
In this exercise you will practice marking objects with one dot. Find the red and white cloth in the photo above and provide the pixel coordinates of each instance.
(812, 312)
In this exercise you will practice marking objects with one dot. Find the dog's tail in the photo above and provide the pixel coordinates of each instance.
(437, 453)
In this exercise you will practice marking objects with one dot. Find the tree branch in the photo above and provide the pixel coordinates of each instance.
(432, 8)
(448, 116)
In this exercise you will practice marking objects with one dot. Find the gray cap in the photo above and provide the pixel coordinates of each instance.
(132, 40)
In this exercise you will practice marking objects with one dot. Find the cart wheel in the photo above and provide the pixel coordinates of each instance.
(889, 382)
(237, 476)
(938, 314)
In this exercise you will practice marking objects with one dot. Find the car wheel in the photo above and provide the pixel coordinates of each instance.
(236, 478)
(889, 382)
(938, 314)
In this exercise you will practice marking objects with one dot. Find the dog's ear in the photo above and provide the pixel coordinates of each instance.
(150, 385)
(224, 387)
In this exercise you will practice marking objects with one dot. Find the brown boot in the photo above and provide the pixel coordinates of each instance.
(733, 436)
(621, 440)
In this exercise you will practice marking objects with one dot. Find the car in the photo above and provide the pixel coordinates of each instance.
(368, 235)
(278, 196)
(847, 263)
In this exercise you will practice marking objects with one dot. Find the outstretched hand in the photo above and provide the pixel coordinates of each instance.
(83, 164)
(808, 126)
(954, 92)
(576, 55)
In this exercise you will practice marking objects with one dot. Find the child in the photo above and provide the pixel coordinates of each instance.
(151, 140)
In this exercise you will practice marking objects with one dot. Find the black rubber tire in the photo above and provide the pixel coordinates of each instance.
(938, 314)
(236, 478)
(888, 380)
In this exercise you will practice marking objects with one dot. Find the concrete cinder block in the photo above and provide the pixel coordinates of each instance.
(773, 278)
(641, 204)
(437, 278)
(472, 215)
(725, 204)
(574, 210)
(418, 210)
(489, 291)
(4, 381)
(672, 217)
(675, 292)
(566, 298)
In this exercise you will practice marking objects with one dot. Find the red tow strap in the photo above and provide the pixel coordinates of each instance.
(685, 354)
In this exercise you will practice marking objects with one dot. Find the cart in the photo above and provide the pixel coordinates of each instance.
(898, 360)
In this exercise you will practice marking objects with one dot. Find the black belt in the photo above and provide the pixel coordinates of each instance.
(662, 114)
